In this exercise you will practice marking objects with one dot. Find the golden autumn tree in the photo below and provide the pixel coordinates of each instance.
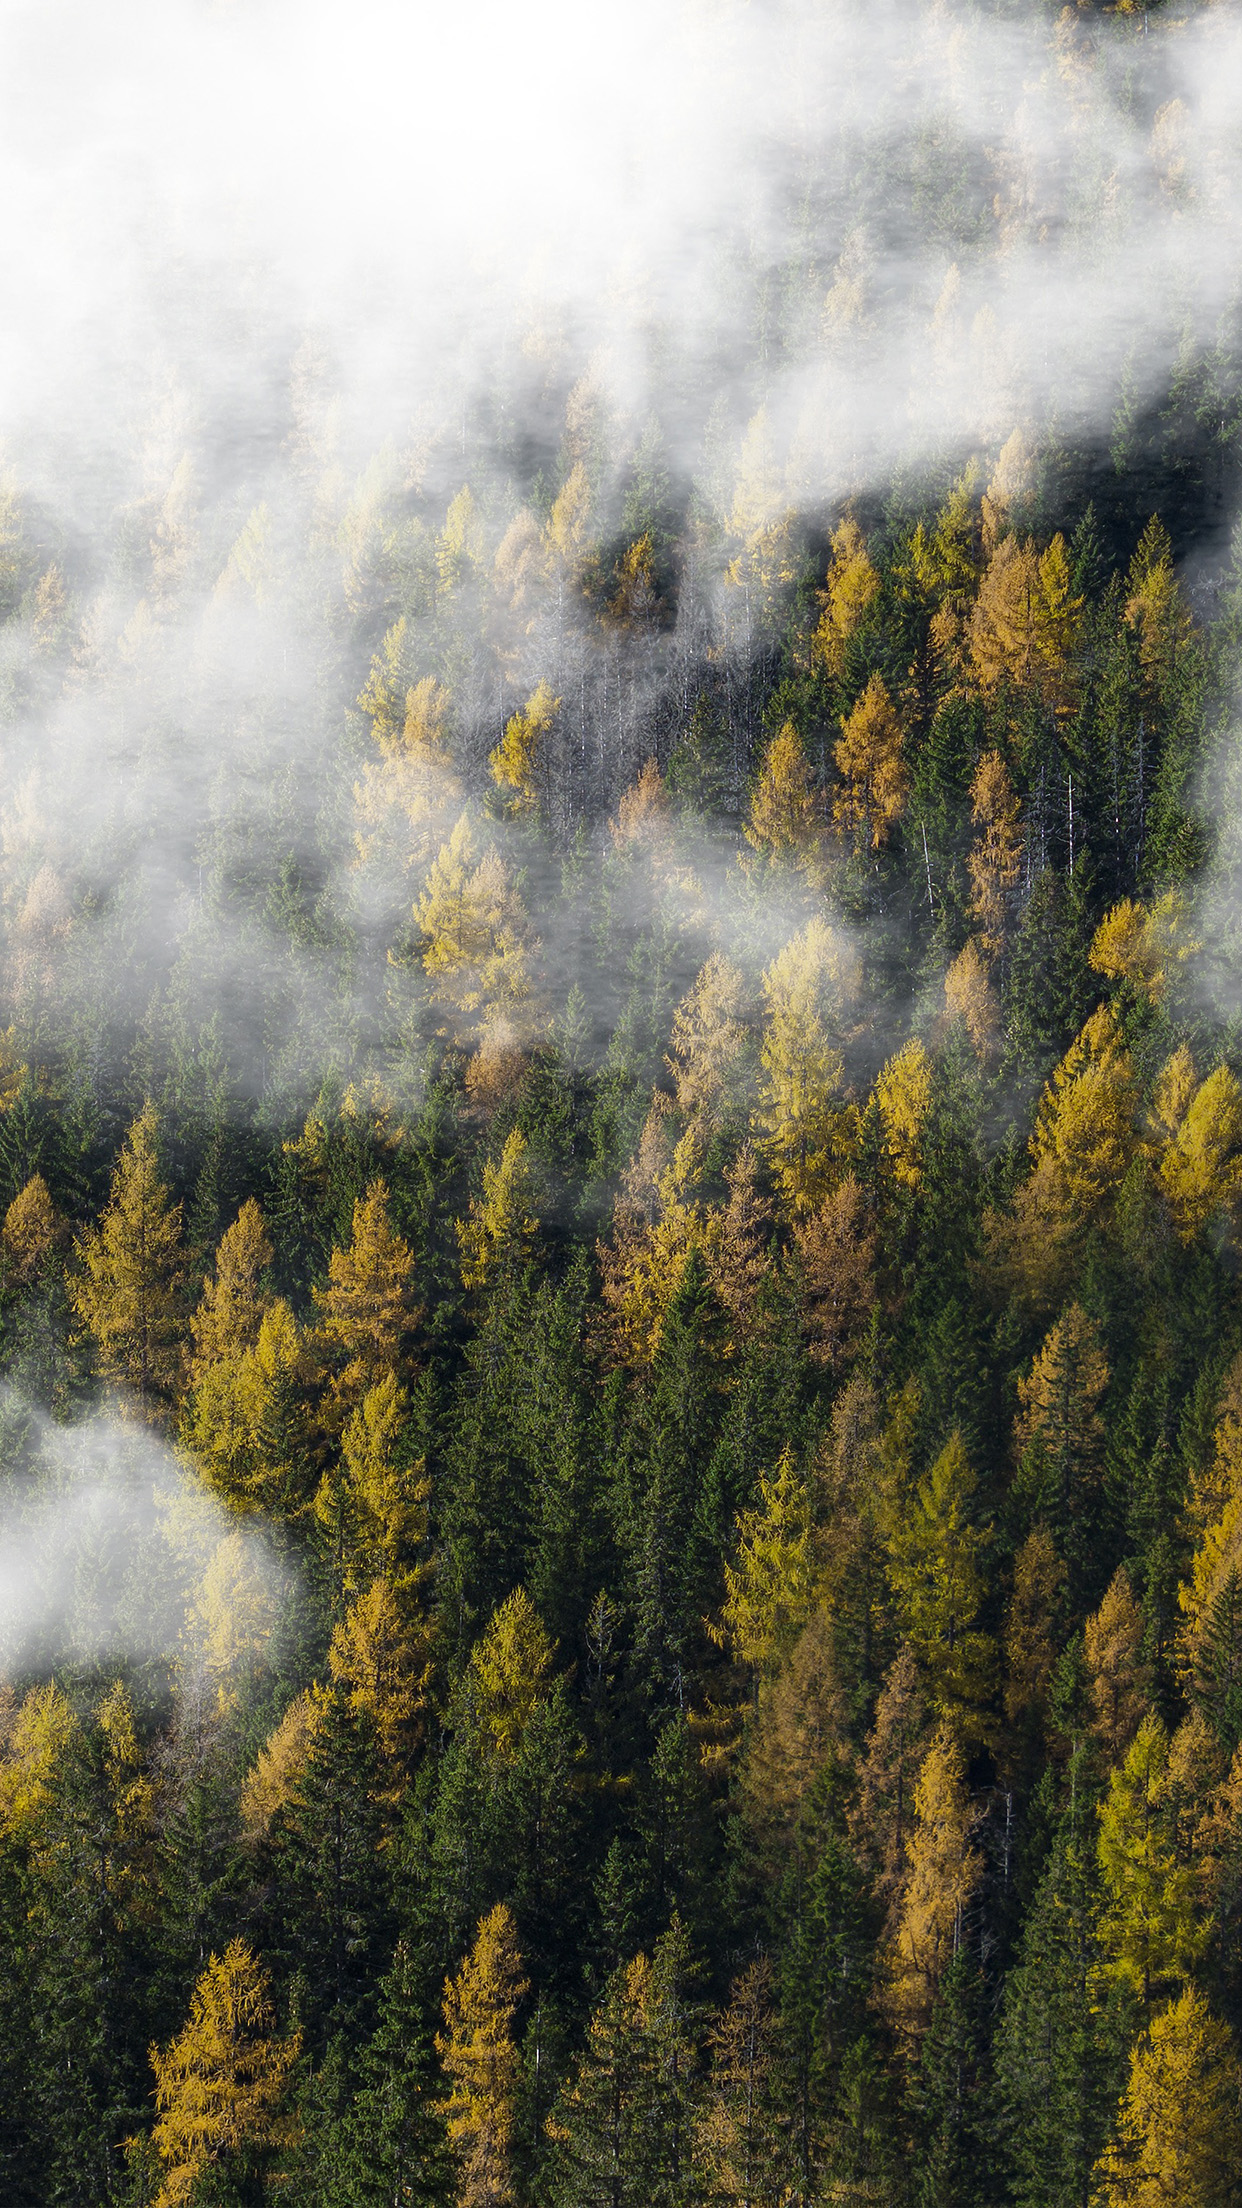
(481, 2063)
(248, 1420)
(1199, 1165)
(783, 823)
(1156, 609)
(1178, 2140)
(805, 1123)
(499, 1229)
(32, 1233)
(1085, 1127)
(659, 1224)
(275, 1777)
(709, 1048)
(1032, 1639)
(903, 1093)
(1120, 1681)
(222, 2084)
(477, 944)
(994, 861)
(970, 997)
(1144, 944)
(369, 1310)
(744, 2150)
(1150, 1928)
(128, 1292)
(403, 799)
(380, 1656)
(943, 1872)
(370, 1503)
(849, 593)
(835, 1259)
(870, 759)
(517, 762)
(230, 1313)
(510, 1675)
(770, 1588)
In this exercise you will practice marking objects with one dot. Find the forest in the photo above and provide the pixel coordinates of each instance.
(621, 1240)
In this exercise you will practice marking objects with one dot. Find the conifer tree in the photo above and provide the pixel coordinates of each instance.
(1178, 2133)
(995, 858)
(875, 783)
(934, 1558)
(784, 824)
(221, 2084)
(368, 1308)
(227, 1320)
(944, 1869)
(1149, 1929)
(499, 1229)
(805, 1122)
(128, 1293)
(481, 2063)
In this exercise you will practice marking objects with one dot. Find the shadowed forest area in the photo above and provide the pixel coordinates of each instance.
(621, 1195)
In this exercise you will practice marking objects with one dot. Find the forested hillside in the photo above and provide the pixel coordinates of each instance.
(621, 1197)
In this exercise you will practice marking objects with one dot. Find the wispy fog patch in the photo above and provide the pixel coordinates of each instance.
(112, 1551)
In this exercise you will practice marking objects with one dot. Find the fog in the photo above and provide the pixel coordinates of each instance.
(114, 1552)
(281, 280)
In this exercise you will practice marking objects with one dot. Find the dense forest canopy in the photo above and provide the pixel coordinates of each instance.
(621, 1108)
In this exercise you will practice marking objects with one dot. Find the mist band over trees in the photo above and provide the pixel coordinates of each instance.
(621, 1106)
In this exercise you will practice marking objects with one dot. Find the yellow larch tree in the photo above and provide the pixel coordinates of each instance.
(401, 799)
(380, 1655)
(850, 591)
(248, 1420)
(32, 1233)
(1004, 625)
(943, 1873)
(970, 997)
(41, 1737)
(1144, 944)
(499, 1230)
(510, 1675)
(834, 1251)
(994, 861)
(1199, 1162)
(903, 1094)
(1025, 621)
(1085, 1126)
(1032, 1641)
(368, 1311)
(1215, 1515)
(518, 761)
(784, 822)
(1120, 1681)
(1156, 609)
(805, 1124)
(744, 2150)
(770, 1588)
(233, 1303)
(658, 1223)
(222, 2084)
(477, 953)
(709, 1047)
(870, 757)
(275, 1777)
(481, 2063)
(1178, 2141)
(128, 1292)
(1150, 1929)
